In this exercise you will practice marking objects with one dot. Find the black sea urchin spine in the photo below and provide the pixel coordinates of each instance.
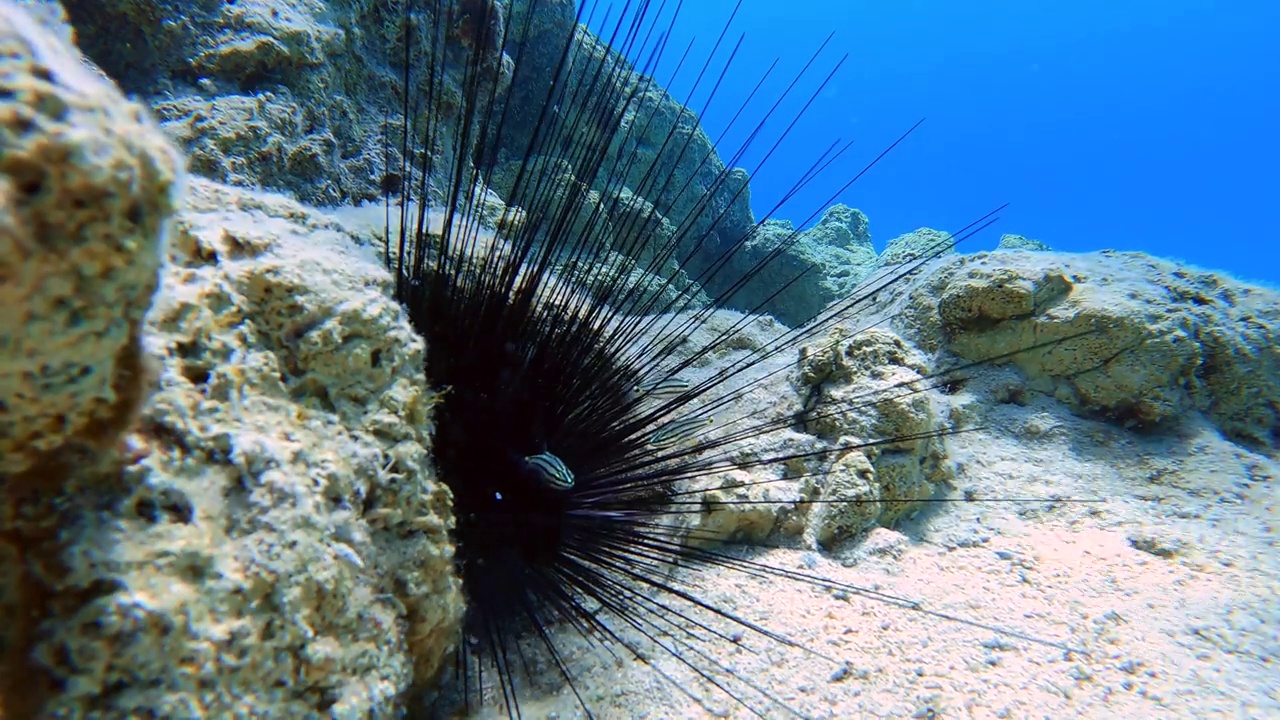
(571, 472)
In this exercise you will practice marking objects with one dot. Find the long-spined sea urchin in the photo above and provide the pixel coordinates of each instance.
(589, 387)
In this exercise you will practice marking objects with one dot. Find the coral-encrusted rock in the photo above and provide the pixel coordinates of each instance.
(279, 547)
(1153, 340)
(274, 544)
(87, 185)
(862, 386)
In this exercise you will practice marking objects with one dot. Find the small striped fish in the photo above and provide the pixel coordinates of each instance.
(551, 470)
(678, 431)
(662, 389)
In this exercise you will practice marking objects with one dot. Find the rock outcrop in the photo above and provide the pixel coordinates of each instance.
(1151, 340)
(1017, 242)
(87, 187)
(217, 498)
(275, 542)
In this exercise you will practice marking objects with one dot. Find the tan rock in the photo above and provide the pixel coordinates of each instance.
(280, 545)
(1142, 340)
(87, 185)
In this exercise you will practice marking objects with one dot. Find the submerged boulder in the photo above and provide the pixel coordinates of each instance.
(215, 498)
(1142, 340)
(87, 187)
(1018, 242)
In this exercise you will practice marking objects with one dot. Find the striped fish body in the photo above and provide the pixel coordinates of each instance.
(551, 470)
(677, 431)
(663, 389)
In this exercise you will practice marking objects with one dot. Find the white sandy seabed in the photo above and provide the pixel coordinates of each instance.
(1168, 586)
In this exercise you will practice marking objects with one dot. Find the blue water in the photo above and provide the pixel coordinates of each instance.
(1129, 124)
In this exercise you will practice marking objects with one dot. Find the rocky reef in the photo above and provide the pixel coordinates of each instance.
(90, 184)
(216, 491)
(226, 506)
(1171, 339)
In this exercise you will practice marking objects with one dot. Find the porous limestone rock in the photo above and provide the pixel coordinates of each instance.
(87, 186)
(276, 544)
(735, 509)
(829, 411)
(917, 245)
(1136, 339)
(845, 503)
(1018, 242)
(272, 93)
(809, 269)
(861, 388)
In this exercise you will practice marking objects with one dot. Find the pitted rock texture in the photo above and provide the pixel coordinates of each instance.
(861, 387)
(1125, 336)
(87, 186)
(828, 407)
(275, 543)
(283, 94)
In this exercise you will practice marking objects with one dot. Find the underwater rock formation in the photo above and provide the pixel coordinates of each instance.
(674, 169)
(87, 185)
(250, 90)
(915, 245)
(879, 483)
(290, 95)
(277, 543)
(291, 409)
(823, 394)
(87, 188)
(263, 533)
(1009, 241)
(1170, 339)
(272, 540)
(823, 264)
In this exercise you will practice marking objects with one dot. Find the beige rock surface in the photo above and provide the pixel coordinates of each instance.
(87, 185)
(243, 563)
(273, 540)
(1163, 339)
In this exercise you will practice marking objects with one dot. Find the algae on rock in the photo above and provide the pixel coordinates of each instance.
(278, 543)
(1143, 340)
(263, 534)
(87, 186)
